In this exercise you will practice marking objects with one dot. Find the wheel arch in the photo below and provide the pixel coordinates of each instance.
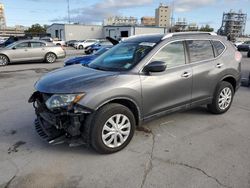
(129, 103)
(49, 53)
(230, 79)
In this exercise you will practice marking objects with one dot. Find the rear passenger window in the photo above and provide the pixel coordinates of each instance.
(218, 46)
(200, 50)
(172, 54)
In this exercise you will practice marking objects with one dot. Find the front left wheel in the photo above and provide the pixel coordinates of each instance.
(3, 60)
(112, 128)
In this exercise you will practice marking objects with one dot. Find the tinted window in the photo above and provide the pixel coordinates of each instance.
(22, 45)
(218, 46)
(200, 50)
(37, 44)
(172, 54)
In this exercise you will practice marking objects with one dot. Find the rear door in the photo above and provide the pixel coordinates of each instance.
(37, 50)
(170, 89)
(205, 69)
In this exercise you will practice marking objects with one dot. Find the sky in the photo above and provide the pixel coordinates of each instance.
(201, 12)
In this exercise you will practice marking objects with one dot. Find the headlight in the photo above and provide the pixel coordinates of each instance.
(63, 100)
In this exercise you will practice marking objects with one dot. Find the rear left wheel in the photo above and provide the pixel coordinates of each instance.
(112, 129)
(222, 99)
(3, 60)
(50, 57)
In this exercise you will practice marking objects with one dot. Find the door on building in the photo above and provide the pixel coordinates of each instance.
(112, 33)
(124, 33)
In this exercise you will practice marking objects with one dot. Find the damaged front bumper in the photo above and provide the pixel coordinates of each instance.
(63, 125)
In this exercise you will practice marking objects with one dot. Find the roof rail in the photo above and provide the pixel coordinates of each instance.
(187, 33)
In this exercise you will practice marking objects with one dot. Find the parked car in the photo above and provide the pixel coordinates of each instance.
(245, 47)
(139, 79)
(85, 43)
(248, 54)
(59, 42)
(30, 50)
(47, 39)
(237, 43)
(95, 47)
(85, 60)
(71, 43)
(11, 40)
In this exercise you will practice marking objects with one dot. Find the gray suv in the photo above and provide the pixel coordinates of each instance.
(139, 79)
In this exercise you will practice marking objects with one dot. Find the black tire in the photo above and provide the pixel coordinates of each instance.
(98, 121)
(214, 106)
(50, 57)
(4, 60)
(80, 47)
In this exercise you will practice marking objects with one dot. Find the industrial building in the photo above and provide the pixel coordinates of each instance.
(81, 32)
(233, 24)
(68, 32)
(163, 16)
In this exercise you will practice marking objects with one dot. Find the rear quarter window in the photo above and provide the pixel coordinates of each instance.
(219, 47)
(200, 50)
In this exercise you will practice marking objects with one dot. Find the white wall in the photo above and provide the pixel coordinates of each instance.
(82, 32)
(115, 32)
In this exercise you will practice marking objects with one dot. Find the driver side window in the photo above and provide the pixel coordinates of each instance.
(172, 54)
(22, 45)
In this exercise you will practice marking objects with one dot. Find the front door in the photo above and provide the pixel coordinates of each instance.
(169, 89)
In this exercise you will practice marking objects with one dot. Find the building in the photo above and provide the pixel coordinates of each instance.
(68, 32)
(233, 24)
(163, 16)
(120, 20)
(148, 21)
(118, 32)
(2, 17)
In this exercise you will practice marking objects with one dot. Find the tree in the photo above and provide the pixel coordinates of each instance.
(36, 30)
(207, 28)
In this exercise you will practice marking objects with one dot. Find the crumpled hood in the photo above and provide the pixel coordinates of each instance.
(72, 79)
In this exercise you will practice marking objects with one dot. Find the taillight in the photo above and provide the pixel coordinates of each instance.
(237, 56)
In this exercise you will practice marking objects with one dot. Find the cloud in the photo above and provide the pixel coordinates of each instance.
(188, 5)
(98, 11)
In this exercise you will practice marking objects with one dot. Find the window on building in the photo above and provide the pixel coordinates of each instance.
(57, 33)
(172, 54)
(200, 50)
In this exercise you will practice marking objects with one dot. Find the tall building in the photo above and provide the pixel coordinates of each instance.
(163, 16)
(2, 17)
(120, 20)
(148, 21)
(233, 24)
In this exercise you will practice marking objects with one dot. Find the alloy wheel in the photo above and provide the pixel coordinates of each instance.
(3, 60)
(51, 58)
(225, 98)
(116, 130)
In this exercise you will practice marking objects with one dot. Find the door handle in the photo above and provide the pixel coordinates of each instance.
(186, 74)
(219, 65)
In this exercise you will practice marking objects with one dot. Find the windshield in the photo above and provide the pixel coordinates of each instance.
(121, 57)
(11, 45)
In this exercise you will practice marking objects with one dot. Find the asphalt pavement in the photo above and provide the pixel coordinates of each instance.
(182, 150)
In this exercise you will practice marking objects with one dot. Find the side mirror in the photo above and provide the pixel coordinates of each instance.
(155, 66)
(14, 48)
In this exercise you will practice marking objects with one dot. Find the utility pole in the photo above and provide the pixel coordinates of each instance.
(172, 15)
(68, 12)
